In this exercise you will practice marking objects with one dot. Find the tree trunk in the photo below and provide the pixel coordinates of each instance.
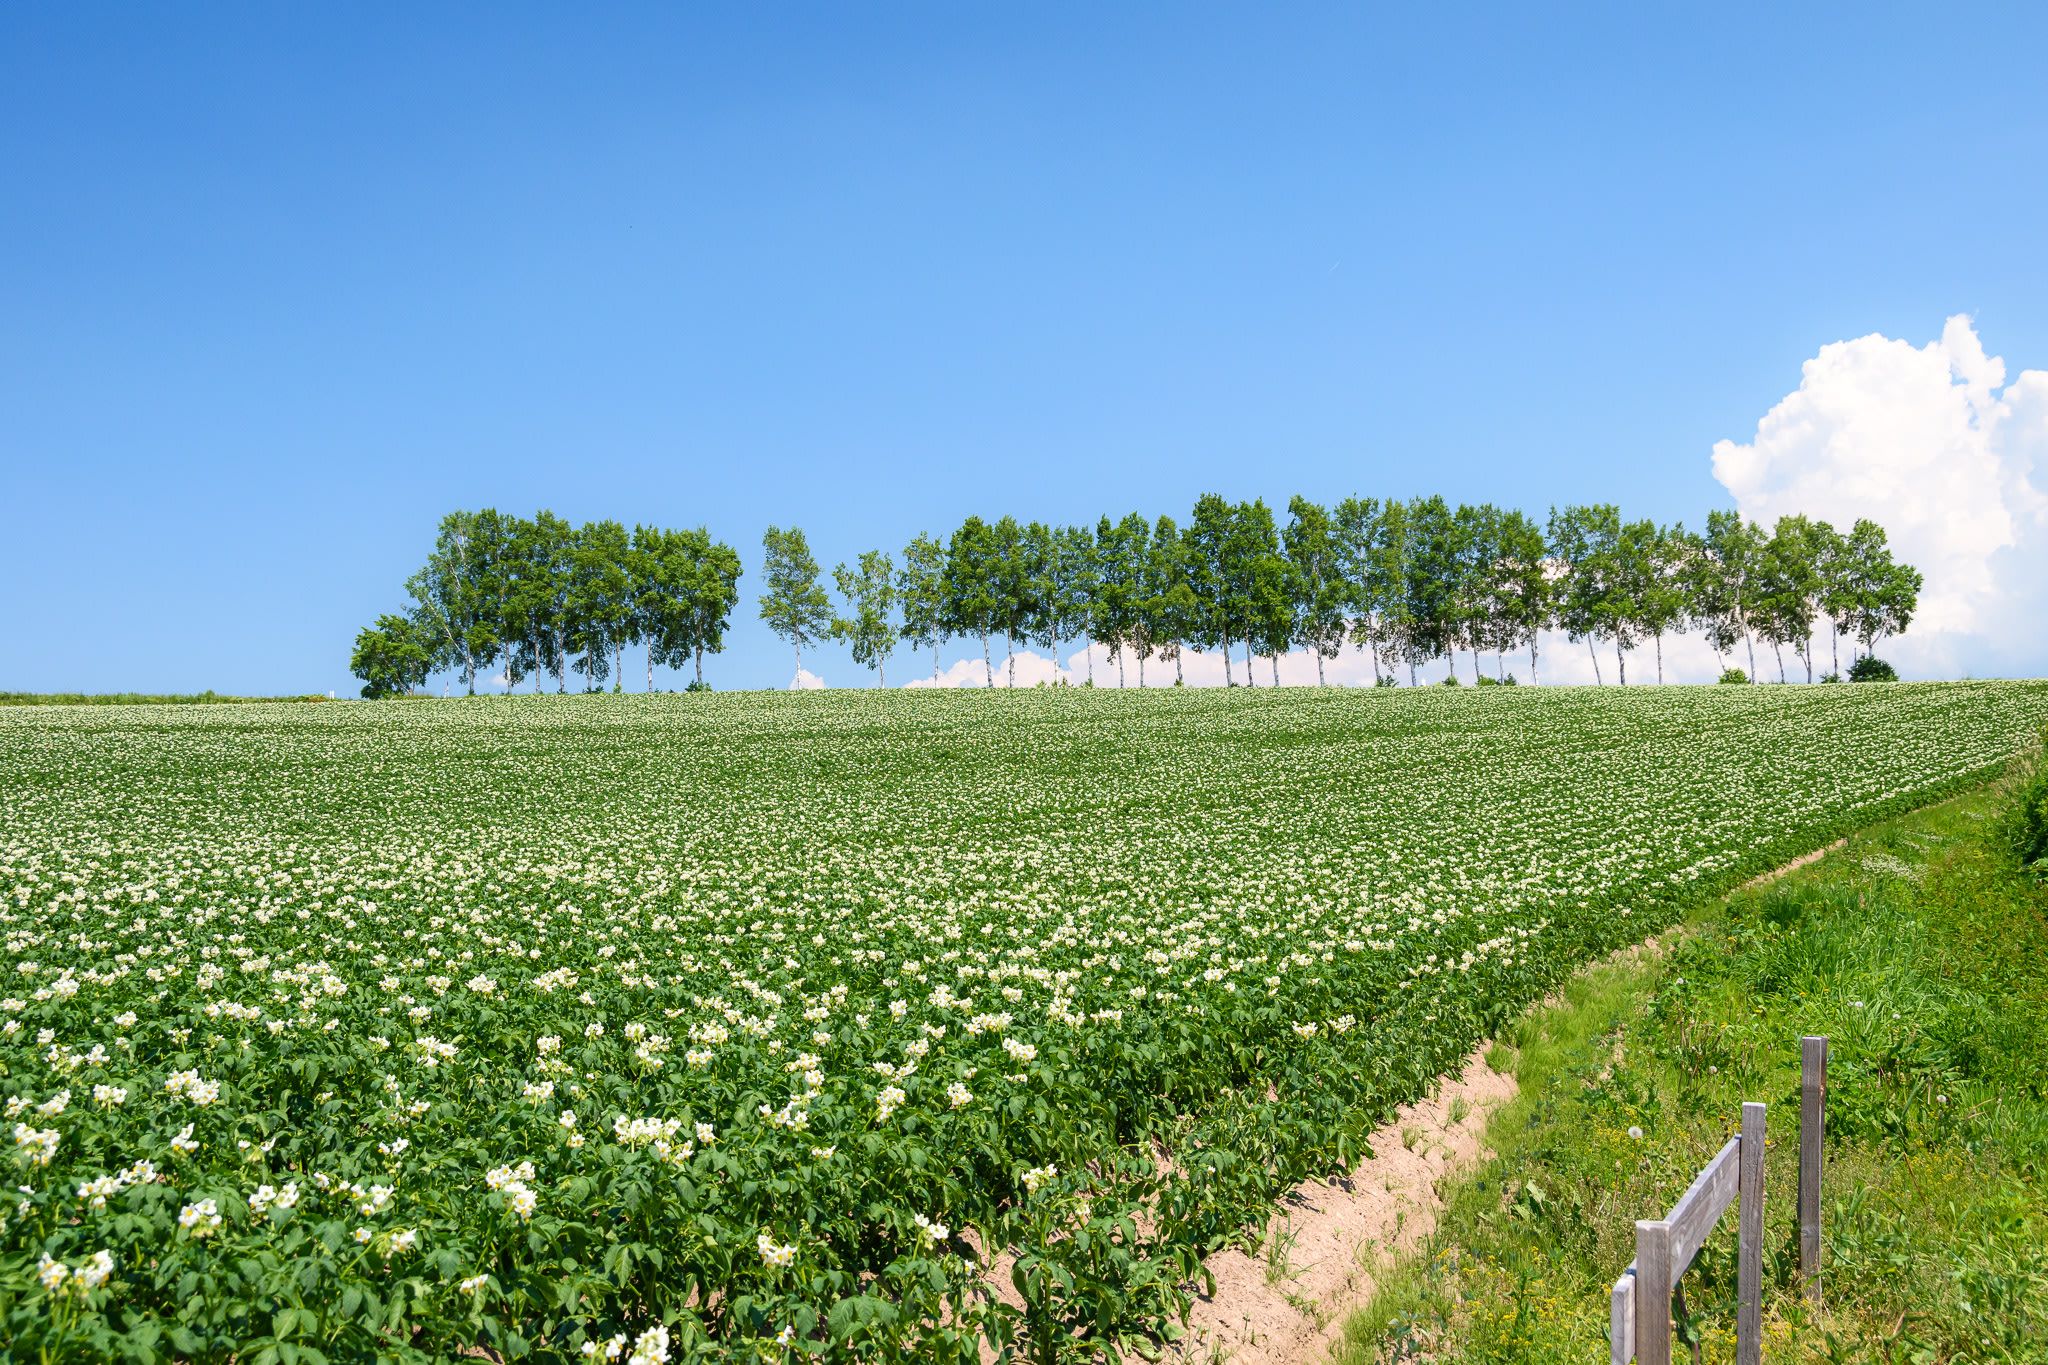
(1780, 648)
(1275, 656)
(700, 662)
(1229, 678)
(1835, 648)
(1621, 661)
(1319, 667)
(1807, 654)
(1090, 652)
(881, 671)
(1249, 680)
(1178, 680)
(1594, 654)
(1411, 674)
(1119, 666)
(1750, 645)
(1141, 673)
(1010, 655)
(988, 667)
(1532, 661)
(1660, 658)
(619, 668)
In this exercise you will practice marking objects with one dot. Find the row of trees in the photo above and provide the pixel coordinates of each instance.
(1406, 582)
(543, 598)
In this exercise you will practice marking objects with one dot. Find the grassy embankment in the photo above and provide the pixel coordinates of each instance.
(1921, 950)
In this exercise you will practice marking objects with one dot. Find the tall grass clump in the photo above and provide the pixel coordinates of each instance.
(2024, 825)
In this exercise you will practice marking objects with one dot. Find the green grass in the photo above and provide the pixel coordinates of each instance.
(1917, 950)
(206, 698)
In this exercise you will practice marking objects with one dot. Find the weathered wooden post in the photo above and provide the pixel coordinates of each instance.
(1813, 1088)
(1653, 1292)
(1749, 1254)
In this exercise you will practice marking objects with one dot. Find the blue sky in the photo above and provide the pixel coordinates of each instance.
(280, 286)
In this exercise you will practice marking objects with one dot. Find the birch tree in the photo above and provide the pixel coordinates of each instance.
(1320, 590)
(869, 628)
(795, 606)
(921, 589)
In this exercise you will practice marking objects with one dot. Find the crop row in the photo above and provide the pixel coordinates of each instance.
(856, 1026)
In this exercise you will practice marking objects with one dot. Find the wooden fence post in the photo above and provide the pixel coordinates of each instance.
(1749, 1253)
(1653, 1292)
(1813, 1087)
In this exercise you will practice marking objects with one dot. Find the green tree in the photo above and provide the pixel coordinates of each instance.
(1788, 591)
(451, 597)
(712, 590)
(1208, 544)
(1583, 542)
(392, 657)
(1012, 573)
(1521, 589)
(795, 606)
(1658, 596)
(601, 598)
(1435, 589)
(1257, 591)
(1321, 592)
(1722, 583)
(1172, 614)
(1122, 550)
(545, 556)
(921, 588)
(1372, 548)
(1883, 594)
(870, 628)
(973, 586)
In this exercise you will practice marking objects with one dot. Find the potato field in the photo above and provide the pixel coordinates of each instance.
(846, 1026)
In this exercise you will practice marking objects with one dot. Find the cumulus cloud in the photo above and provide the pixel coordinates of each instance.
(1934, 445)
(805, 681)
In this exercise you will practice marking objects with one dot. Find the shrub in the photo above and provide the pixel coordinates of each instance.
(1870, 668)
(2025, 822)
(1734, 675)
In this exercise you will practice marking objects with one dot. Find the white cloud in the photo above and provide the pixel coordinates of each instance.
(1933, 445)
(805, 681)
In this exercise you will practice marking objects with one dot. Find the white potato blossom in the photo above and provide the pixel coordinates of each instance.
(651, 1348)
(189, 1085)
(774, 1255)
(200, 1218)
(35, 1145)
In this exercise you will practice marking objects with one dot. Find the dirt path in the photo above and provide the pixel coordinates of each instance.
(1767, 878)
(1289, 1305)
